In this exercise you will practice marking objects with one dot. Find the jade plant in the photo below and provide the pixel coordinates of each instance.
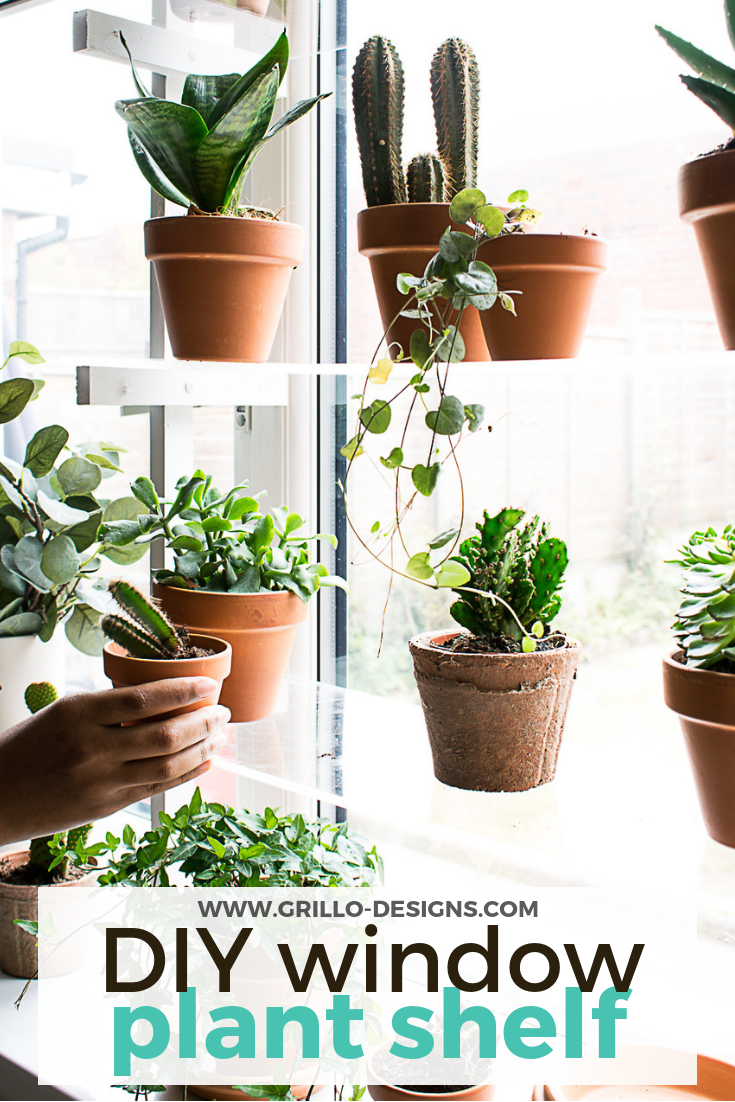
(377, 97)
(714, 83)
(223, 542)
(197, 153)
(42, 859)
(50, 512)
(454, 279)
(705, 624)
(143, 629)
(515, 577)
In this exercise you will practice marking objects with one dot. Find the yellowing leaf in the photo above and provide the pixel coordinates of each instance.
(381, 371)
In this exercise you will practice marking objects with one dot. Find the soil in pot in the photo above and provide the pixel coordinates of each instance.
(403, 237)
(494, 719)
(261, 629)
(223, 282)
(556, 275)
(387, 1067)
(704, 700)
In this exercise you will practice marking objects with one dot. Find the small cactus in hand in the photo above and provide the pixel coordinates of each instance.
(377, 97)
(425, 179)
(455, 91)
(523, 566)
(144, 631)
(37, 696)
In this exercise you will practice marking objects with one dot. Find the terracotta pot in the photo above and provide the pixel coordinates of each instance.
(557, 274)
(705, 704)
(403, 237)
(123, 670)
(707, 202)
(223, 282)
(228, 1094)
(18, 949)
(383, 1091)
(260, 628)
(494, 721)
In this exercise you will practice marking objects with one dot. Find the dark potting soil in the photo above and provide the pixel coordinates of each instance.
(30, 875)
(499, 644)
(725, 665)
(389, 1067)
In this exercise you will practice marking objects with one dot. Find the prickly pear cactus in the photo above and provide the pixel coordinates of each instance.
(455, 91)
(425, 179)
(39, 695)
(377, 97)
(524, 566)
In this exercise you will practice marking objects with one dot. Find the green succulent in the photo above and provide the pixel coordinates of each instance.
(714, 83)
(523, 566)
(705, 624)
(222, 542)
(197, 153)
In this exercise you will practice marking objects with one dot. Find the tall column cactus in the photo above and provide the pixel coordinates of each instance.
(377, 97)
(455, 92)
(425, 179)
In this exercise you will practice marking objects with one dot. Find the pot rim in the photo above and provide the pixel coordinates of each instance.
(31, 890)
(425, 639)
(420, 1094)
(220, 218)
(695, 671)
(270, 594)
(116, 651)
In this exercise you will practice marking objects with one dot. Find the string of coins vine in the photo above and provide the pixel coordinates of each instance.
(453, 280)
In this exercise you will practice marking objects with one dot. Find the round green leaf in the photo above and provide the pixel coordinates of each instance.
(83, 632)
(425, 478)
(15, 394)
(519, 196)
(448, 419)
(60, 560)
(393, 460)
(376, 417)
(27, 558)
(450, 346)
(59, 511)
(27, 352)
(418, 566)
(465, 203)
(79, 476)
(44, 448)
(491, 219)
(351, 449)
(23, 623)
(474, 414)
(528, 644)
(419, 348)
(451, 575)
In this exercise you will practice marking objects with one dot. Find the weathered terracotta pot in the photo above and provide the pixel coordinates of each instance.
(705, 704)
(707, 202)
(260, 628)
(123, 670)
(494, 721)
(223, 282)
(403, 237)
(557, 275)
(18, 949)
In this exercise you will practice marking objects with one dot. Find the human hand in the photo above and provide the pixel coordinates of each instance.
(73, 762)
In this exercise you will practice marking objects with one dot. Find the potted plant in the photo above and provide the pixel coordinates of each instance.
(23, 872)
(707, 184)
(223, 271)
(50, 511)
(495, 696)
(698, 674)
(408, 210)
(144, 646)
(238, 573)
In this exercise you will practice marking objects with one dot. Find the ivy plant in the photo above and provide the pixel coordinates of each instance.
(223, 542)
(453, 280)
(197, 153)
(50, 512)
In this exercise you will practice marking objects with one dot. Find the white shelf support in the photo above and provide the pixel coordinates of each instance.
(180, 383)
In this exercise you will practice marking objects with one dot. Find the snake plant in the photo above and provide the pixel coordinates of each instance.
(705, 625)
(714, 83)
(197, 153)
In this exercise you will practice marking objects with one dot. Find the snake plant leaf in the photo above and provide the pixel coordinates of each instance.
(172, 134)
(141, 88)
(204, 92)
(276, 56)
(703, 64)
(153, 174)
(303, 107)
(719, 99)
(730, 20)
(227, 147)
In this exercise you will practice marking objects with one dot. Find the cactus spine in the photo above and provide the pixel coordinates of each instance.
(425, 179)
(155, 627)
(455, 91)
(37, 696)
(377, 97)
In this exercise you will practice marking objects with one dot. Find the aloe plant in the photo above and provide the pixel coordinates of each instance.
(197, 153)
(714, 83)
(705, 624)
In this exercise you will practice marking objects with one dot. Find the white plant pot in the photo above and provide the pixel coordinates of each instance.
(23, 660)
